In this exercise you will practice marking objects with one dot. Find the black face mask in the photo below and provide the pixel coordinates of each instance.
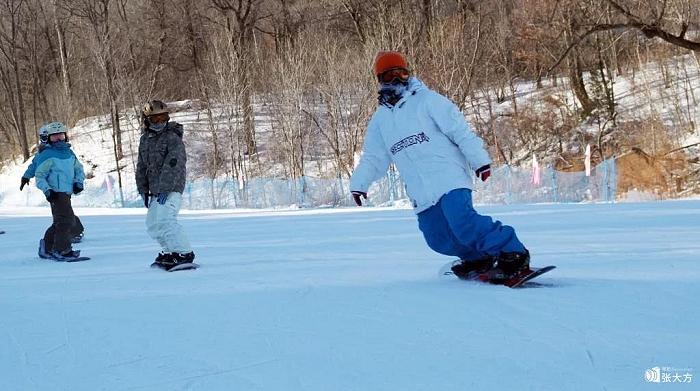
(390, 93)
(154, 127)
(158, 127)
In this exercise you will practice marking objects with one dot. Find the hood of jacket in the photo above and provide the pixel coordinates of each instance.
(414, 85)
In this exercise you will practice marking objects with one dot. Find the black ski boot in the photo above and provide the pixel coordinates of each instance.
(509, 265)
(468, 270)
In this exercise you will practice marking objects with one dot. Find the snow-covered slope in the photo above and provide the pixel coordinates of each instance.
(349, 299)
(643, 95)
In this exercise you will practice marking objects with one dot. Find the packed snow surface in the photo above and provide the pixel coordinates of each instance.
(350, 299)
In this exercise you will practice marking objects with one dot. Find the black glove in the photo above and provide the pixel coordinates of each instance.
(146, 197)
(25, 181)
(356, 196)
(162, 197)
(77, 188)
(484, 172)
(50, 195)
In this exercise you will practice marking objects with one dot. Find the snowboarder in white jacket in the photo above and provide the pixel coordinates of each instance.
(429, 140)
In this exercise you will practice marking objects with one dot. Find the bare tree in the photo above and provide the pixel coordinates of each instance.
(305, 66)
(62, 52)
(10, 68)
(668, 20)
(225, 68)
(343, 108)
(289, 103)
(242, 17)
(96, 14)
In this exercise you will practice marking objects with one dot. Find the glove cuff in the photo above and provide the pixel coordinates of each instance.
(483, 168)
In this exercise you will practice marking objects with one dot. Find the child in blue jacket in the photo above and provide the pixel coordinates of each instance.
(77, 230)
(59, 175)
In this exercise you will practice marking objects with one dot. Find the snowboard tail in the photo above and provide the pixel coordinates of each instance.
(524, 276)
(61, 258)
(76, 259)
(517, 281)
(184, 266)
(180, 267)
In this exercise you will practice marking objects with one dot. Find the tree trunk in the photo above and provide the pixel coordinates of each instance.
(578, 86)
(248, 119)
(63, 55)
(21, 126)
(213, 164)
(427, 11)
(113, 107)
(246, 84)
(110, 75)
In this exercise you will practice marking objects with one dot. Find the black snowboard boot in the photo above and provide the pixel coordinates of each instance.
(181, 258)
(65, 256)
(42, 250)
(466, 269)
(510, 265)
(162, 260)
(176, 259)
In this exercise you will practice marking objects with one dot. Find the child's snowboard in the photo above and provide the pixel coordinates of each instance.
(184, 266)
(76, 259)
(180, 267)
(519, 281)
(44, 255)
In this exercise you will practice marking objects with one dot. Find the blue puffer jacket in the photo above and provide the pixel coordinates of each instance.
(57, 169)
(429, 140)
(31, 169)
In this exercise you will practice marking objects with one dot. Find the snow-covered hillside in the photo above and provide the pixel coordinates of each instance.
(349, 299)
(647, 94)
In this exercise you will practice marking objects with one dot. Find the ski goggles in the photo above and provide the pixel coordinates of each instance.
(392, 75)
(158, 118)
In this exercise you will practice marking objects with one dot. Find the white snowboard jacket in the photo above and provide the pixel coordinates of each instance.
(429, 140)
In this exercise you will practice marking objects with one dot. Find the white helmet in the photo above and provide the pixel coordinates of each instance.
(51, 128)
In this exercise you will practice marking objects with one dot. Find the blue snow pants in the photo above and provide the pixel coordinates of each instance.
(452, 227)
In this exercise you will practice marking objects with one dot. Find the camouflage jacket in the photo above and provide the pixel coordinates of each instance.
(162, 160)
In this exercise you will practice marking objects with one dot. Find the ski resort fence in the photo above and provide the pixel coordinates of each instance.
(507, 185)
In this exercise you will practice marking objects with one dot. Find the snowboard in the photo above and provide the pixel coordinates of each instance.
(44, 255)
(181, 267)
(2, 232)
(184, 266)
(519, 281)
(78, 259)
